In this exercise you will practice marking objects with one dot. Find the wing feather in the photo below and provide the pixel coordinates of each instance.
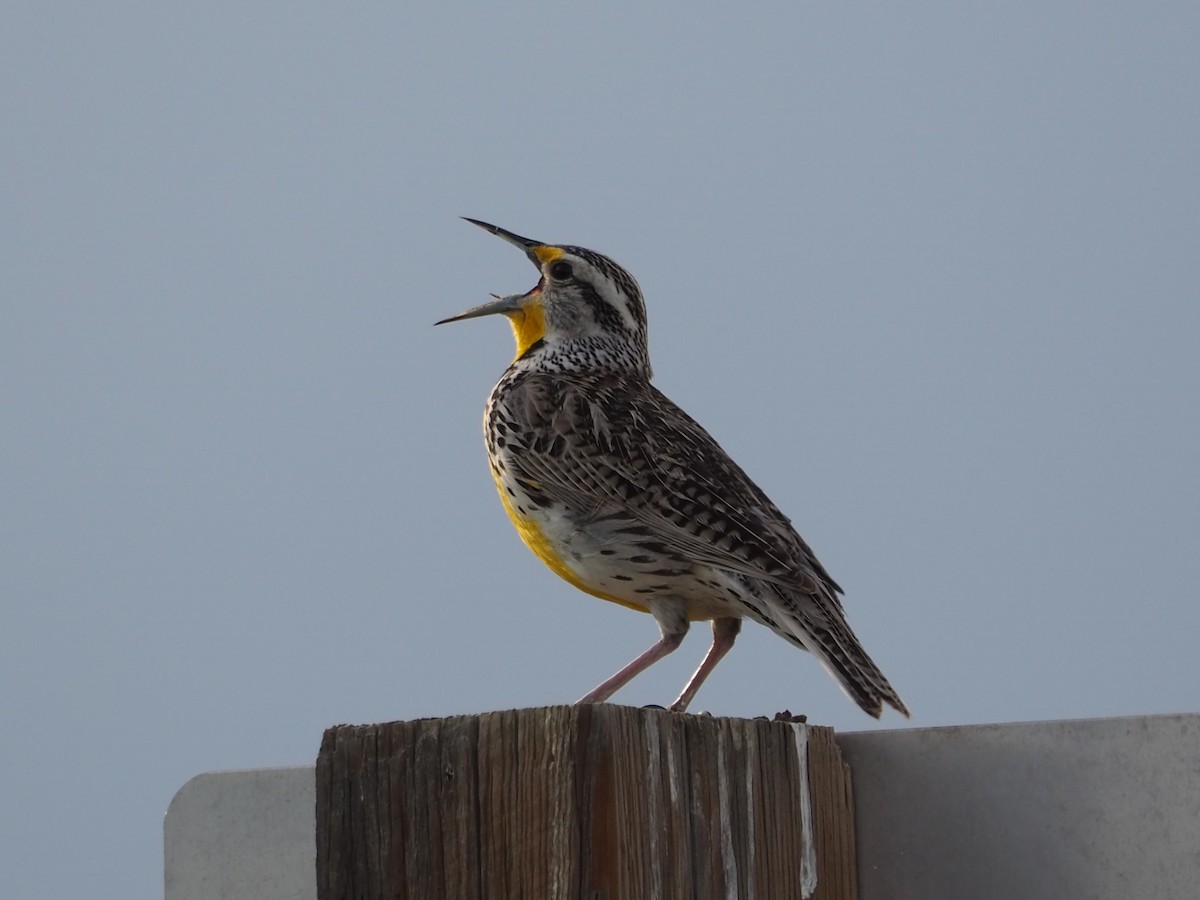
(608, 449)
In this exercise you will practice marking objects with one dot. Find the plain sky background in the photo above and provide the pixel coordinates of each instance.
(928, 271)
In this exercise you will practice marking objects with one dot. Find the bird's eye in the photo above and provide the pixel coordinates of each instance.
(560, 271)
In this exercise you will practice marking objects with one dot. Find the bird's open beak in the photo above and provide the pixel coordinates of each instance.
(505, 305)
(538, 254)
(526, 244)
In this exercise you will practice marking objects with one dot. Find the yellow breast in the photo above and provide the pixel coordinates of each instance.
(545, 550)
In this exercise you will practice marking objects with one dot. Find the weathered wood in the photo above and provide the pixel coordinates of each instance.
(593, 802)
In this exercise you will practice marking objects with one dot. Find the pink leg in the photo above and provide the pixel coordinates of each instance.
(672, 637)
(725, 632)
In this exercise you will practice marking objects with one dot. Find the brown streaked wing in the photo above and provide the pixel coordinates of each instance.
(633, 454)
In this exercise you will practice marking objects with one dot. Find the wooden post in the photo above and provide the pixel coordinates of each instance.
(593, 802)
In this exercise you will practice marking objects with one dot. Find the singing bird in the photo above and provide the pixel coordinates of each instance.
(622, 494)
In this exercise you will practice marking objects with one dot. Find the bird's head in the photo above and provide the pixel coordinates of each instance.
(585, 309)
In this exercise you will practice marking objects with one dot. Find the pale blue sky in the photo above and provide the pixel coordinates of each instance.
(928, 272)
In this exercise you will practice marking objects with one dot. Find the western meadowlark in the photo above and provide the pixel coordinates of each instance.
(625, 496)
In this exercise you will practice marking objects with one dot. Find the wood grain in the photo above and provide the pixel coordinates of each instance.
(592, 802)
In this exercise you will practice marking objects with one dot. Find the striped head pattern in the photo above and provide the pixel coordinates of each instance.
(585, 312)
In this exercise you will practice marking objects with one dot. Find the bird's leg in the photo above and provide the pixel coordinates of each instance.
(673, 625)
(725, 632)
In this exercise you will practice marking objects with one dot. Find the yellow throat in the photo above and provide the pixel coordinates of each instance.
(528, 324)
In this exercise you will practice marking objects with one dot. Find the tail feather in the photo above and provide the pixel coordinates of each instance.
(844, 657)
(829, 638)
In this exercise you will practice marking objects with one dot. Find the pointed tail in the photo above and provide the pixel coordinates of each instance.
(829, 638)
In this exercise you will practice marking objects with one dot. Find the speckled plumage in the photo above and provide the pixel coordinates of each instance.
(626, 496)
